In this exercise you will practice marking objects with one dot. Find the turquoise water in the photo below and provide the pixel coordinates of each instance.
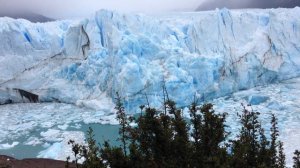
(23, 151)
(102, 133)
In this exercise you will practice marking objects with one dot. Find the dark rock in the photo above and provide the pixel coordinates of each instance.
(9, 162)
(30, 96)
(8, 101)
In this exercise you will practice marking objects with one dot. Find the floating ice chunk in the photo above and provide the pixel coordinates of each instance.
(61, 150)
(8, 146)
(63, 127)
(52, 135)
(274, 105)
(53, 151)
(76, 126)
(109, 119)
(47, 124)
(33, 141)
(102, 103)
(257, 99)
(46, 145)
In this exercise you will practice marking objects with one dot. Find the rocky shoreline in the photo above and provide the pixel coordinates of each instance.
(10, 162)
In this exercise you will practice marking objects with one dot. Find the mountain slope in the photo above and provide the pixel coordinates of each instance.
(236, 4)
(33, 17)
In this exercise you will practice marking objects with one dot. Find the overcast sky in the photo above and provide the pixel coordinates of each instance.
(84, 8)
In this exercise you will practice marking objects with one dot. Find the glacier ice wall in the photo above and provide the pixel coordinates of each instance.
(207, 54)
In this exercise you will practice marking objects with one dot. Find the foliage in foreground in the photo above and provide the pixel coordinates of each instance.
(163, 138)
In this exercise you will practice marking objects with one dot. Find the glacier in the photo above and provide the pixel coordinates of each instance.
(207, 54)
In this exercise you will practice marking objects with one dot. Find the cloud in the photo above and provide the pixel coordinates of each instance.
(237, 4)
(79, 8)
(85, 8)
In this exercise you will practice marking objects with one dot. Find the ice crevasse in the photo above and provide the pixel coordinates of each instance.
(207, 54)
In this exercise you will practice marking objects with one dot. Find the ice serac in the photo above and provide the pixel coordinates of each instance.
(210, 54)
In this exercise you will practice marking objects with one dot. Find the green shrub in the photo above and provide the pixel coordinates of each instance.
(163, 138)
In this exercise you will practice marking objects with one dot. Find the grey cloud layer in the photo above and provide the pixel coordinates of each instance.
(84, 8)
(79, 8)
